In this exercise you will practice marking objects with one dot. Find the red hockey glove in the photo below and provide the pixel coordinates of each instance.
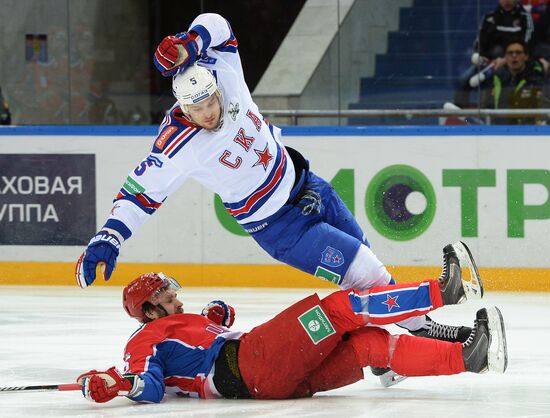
(103, 386)
(220, 313)
(176, 53)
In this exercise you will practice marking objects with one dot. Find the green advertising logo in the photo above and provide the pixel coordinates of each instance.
(132, 186)
(400, 201)
(316, 324)
(388, 204)
(328, 275)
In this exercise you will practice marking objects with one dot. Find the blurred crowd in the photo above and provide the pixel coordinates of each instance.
(81, 82)
(510, 61)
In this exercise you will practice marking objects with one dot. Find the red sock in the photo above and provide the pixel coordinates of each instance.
(416, 356)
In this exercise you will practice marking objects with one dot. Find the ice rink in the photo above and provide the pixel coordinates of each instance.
(52, 334)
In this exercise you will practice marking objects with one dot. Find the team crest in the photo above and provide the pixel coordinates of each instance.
(233, 110)
(332, 257)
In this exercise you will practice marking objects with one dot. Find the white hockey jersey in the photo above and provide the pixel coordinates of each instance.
(244, 161)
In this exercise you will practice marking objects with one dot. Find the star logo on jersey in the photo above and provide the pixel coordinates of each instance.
(264, 157)
(391, 302)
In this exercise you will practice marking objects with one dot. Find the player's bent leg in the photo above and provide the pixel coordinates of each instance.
(340, 368)
(483, 350)
(381, 305)
(415, 356)
(406, 355)
(309, 244)
(275, 357)
(365, 271)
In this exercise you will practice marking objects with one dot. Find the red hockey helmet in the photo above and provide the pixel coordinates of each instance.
(145, 288)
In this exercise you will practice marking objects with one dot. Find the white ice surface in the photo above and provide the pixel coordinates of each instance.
(51, 334)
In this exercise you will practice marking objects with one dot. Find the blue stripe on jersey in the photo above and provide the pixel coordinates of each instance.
(184, 142)
(204, 34)
(175, 358)
(263, 199)
(390, 303)
(118, 226)
(358, 303)
(270, 126)
(183, 360)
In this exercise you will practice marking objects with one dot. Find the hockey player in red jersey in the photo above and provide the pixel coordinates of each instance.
(315, 345)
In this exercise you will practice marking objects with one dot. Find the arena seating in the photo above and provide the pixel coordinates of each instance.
(425, 56)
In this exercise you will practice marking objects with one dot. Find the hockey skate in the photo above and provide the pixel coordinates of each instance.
(485, 350)
(443, 332)
(387, 376)
(460, 279)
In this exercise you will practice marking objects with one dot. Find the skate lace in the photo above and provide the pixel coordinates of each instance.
(444, 273)
(472, 335)
(440, 331)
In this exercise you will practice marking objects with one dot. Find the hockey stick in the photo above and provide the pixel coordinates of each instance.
(42, 388)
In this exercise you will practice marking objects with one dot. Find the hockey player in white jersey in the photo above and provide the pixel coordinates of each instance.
(216, 135)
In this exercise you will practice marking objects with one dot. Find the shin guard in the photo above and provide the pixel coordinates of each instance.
(416, 356)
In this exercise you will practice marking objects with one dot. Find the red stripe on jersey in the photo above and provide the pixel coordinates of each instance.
(146, 202)
(178, 139)
(232, 42)
(187, 384)
(262, 192)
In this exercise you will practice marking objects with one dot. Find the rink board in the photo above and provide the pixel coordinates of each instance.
(487, 186)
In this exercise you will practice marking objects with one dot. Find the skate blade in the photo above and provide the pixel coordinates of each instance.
(471, 281)
(498, 351)
(391, 379)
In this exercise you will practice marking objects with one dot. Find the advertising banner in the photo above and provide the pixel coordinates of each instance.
(412, 195)
(47, 199)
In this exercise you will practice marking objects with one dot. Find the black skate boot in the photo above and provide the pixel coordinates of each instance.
(485, 349)
(455, 284)
(443, 332)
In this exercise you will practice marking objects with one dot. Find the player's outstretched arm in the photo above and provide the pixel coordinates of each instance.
(104, 386)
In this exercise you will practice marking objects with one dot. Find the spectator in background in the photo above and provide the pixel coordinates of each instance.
(541, 38)
(508, 22)
(5, 115)
(518, 84)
